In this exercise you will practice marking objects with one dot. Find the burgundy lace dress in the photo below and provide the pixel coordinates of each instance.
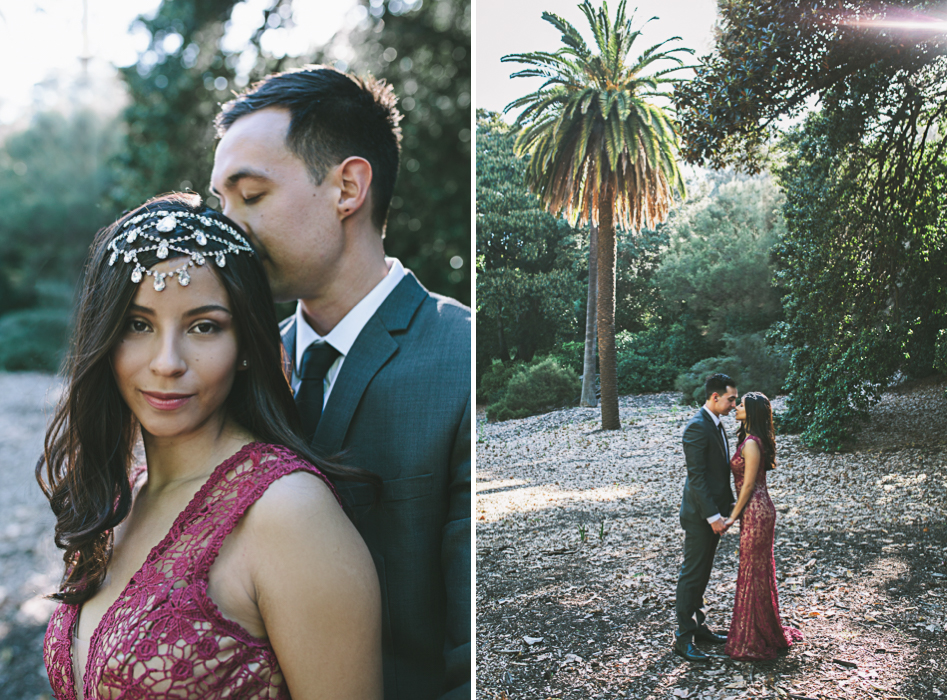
(756, 633)
(164, 637)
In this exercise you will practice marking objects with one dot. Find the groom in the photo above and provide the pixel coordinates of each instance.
(707, 495)
(306, 165)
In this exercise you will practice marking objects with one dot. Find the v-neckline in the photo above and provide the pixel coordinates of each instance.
(200, 494)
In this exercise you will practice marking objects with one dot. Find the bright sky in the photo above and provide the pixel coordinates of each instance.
(516, 26)
(40, 39)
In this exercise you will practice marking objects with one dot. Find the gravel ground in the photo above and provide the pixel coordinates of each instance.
(30, 564)
(579, 545)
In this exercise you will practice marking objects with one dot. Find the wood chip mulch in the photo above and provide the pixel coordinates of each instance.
(579, 546)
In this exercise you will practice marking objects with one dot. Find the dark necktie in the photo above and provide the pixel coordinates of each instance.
(723, 434)
(317, 359)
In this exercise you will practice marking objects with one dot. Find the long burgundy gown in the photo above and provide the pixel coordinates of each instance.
(756, 633)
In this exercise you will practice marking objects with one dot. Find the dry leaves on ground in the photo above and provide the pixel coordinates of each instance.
(578, 548)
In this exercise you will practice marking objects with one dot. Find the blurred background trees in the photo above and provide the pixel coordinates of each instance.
(65, 175)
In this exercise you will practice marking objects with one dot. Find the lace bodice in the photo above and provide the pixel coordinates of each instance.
(164, 637)
(738, 467)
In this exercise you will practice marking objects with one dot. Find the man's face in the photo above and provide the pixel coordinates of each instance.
(294, 224)
(722, 404)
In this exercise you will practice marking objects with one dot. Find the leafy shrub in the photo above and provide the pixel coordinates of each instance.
(534, 389)
(571, 355)
(492, 384)
(940, 351)
(34, 339)
(650, 360)
(754, 363)
(764, 363)
(691, 382)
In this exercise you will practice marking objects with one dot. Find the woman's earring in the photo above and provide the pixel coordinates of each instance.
(244, 364)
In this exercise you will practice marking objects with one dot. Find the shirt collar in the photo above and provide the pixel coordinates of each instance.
(713, 415)
(343, 335)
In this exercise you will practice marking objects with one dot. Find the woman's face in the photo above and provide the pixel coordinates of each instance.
(741, 411)
(177, 358)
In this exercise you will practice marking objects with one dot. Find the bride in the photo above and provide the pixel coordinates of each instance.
(756, 632)
(224, 566)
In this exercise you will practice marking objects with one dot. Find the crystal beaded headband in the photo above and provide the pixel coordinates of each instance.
(166, 222)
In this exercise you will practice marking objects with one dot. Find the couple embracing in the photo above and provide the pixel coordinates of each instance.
(300, 524)
(756, 632)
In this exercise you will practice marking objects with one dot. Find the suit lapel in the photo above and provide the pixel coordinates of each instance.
(370, 352)
(373, 347)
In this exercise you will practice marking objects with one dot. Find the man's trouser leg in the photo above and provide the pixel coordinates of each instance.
(700, 545)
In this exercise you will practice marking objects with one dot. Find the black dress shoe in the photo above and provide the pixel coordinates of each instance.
(705, 635)
(689, 652)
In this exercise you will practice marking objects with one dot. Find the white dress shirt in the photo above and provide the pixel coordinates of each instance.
(343, 335)
(716, 420)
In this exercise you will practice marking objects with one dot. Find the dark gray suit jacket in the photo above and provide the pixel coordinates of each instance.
(400, 407)
(707, 488)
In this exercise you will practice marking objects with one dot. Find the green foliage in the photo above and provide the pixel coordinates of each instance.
(601, 150)
(424, 52)
(718, 267)
(535, 389)
(593, 123)
(174, 98)
(52, 176)
(650, 360)
(570, 354)
(33, 340)
(753, 361)
(637, 297)
(527, 284)
(772, 57)
(864, 267)
(863, 262)
(491, 385)
(940, 355)
(423, 49)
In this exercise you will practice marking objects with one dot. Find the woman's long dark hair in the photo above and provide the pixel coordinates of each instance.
(759, 422)
(84, 471)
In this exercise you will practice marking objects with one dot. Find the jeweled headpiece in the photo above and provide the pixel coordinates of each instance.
(146, 229)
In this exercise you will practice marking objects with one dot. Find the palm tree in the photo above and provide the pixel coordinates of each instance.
(589, 397)
(600, 150)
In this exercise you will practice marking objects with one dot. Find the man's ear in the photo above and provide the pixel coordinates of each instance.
(355, 180)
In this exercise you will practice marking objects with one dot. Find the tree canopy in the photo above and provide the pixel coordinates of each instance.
(527, 282)
(862, 261)
(772, 59)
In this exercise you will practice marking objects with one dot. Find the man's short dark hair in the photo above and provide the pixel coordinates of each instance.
(717, 384)
(333, 116)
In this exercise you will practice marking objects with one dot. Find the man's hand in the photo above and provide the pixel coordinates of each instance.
(719, 526)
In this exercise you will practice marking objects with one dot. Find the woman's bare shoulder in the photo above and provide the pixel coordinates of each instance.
(750, 446)
(295, 500)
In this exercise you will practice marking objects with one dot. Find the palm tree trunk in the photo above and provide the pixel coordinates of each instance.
(607, 359)
(591, 310)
